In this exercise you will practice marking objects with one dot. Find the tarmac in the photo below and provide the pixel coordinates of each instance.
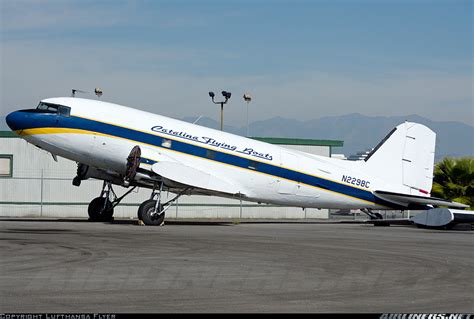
(74, 266)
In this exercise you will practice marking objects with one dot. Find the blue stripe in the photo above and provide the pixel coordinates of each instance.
(147, 161)
(35, 120)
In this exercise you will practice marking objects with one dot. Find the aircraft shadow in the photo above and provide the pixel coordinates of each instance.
(173, 222)
(117, 221)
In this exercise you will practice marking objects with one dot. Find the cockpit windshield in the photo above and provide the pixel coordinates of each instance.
(54, 108)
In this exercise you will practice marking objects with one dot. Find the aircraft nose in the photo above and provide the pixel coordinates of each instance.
(14, 119)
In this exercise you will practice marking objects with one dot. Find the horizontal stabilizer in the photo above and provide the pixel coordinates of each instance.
(190, 176)
(439, 217)
(408, 200)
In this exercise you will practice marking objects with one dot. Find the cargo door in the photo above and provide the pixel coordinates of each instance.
(287, 183)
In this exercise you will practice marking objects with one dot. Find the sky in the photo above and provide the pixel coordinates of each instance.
(298, 59)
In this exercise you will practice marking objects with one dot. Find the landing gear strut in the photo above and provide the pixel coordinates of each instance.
(371, 214)
(101, 209)
(151, 211)
(376, 218)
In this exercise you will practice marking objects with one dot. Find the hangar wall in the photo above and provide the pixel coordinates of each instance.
(41, 187)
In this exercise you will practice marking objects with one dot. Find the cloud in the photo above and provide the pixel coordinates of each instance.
(155, 79)
(33, 15)
(59, 16)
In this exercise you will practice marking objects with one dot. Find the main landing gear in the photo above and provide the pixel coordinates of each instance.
(151, 211)
(101, 209)
(369, 212)
(376, 218)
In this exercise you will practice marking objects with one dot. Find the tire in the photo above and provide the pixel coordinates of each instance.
(96, 210)
(379, 216)
(140, 208)
(145, 213)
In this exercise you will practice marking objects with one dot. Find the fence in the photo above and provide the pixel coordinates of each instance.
(50, 193)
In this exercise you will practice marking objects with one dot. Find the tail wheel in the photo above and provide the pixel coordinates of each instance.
(146, 213)
(100, 210)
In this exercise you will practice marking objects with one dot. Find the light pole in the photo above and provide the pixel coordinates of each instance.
(247, 98)
(226, 95)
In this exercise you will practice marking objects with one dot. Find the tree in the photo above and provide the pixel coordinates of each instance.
(454, 180)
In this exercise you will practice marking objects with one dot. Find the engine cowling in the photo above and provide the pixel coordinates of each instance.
(85, 172)
(130, 166)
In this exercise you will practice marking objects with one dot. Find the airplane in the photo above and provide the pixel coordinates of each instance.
(132, 148)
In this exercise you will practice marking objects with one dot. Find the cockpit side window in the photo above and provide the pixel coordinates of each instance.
(64, 110)
(54, 108)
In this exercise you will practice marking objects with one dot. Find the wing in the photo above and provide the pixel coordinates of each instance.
(410, 200)
(190, 176)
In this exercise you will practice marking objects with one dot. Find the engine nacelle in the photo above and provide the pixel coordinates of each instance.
(85, 172)
(130, 166)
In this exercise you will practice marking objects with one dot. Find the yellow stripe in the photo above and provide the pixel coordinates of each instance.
(56, 130)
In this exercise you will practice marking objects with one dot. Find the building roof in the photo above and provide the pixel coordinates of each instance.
(8, 134)
(271, 140)
(299, 141)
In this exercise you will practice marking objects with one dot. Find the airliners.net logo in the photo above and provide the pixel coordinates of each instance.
(425, 316)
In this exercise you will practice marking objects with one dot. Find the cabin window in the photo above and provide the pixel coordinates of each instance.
(6, 166)
(210, 154)
(166, 143)
(253, 165)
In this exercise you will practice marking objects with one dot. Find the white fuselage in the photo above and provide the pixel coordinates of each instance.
(102, 134)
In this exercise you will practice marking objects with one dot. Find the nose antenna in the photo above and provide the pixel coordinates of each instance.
(73, 92)
(97, 91)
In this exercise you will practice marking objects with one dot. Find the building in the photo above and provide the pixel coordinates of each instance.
(32, 184)
(359, 156)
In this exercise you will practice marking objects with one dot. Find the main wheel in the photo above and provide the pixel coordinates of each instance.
(140, 208)
(100, 210)
(146, 213)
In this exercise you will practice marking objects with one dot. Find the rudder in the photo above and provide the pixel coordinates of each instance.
(405, 157)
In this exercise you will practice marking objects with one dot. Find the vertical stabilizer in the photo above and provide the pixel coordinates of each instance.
(405, 157)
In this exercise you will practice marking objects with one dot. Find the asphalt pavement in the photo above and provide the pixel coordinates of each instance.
(77, 266)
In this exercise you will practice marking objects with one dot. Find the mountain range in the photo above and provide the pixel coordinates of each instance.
(359, 132)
